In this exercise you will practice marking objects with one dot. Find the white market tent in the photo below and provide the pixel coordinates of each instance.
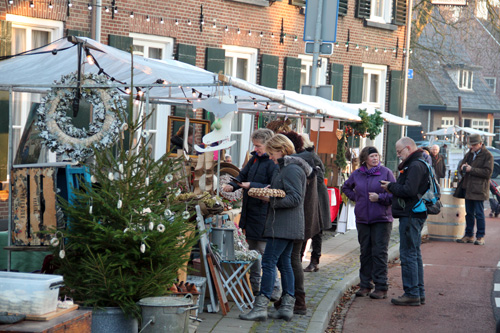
(455, 129)
(37, 70)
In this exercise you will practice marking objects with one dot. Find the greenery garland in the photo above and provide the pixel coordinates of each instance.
(59, 133)
(370, 125)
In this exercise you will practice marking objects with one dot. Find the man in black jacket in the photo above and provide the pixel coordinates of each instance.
(413, 181)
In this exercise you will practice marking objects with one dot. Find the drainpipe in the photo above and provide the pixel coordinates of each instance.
(96, 34)
(407, 62)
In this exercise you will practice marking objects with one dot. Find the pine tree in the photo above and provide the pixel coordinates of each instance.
(126, 237)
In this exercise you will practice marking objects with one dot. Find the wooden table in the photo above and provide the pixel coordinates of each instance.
(78, 321)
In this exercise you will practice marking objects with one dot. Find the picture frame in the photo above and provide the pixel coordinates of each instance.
(201, 127)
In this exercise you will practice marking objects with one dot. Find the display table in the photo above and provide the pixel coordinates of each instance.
(78, 321)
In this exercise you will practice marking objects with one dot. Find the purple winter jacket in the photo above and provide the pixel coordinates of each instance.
(357, 187)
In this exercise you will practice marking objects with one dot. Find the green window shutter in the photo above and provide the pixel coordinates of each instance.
(399, 12)
(363, 9)
(292, 74)
(356, 84)
(123, 43)
(269, 66)
(396, 93)
(395, 107)
(186, 53)
(214, 59)
(5, 38)
(78, 33)
(5, 49)
(343, 7)
(336, 79)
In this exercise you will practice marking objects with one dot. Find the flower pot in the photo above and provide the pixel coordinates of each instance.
(113, 320)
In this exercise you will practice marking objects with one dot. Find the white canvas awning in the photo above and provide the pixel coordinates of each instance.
(455, 129)
(37, 70)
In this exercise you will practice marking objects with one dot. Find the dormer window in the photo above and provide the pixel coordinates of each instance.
(465, 79)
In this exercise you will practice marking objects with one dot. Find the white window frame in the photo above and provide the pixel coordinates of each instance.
(447, 122)
(243, 136)
(307, 60)
(385, 17)
(166, 44)
(494, 79)
(380, 70)
(481, 124)
(56, 29)
(465, 79)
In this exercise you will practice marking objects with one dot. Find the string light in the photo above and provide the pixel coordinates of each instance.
(70, 4)
(366, 49)
(193, 91)
(261, 34)
(295, 38)
(139, 91)
(214, 25)
(272, 34)
(176, 22)
(127, 90)
(50, 5)
(337, 44)
(147, 18)
(249, 32)
(106, 9)
(189, 22)
(226, 29)
(239, 32)
(394, 50)
(11, 2)
(346, 44)
(376, 49)
(32, 5)
(131, 14)
(357, 46)
(90, 58)
(89, 6)
(115, 10)
(161, 21)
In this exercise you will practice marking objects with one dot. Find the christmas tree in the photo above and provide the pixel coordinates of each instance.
(126, 236)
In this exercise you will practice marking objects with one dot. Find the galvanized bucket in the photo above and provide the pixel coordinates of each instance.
(166, 314)
(223, 239)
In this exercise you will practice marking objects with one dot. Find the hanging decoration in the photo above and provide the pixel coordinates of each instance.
(369, 126)
(56, 127)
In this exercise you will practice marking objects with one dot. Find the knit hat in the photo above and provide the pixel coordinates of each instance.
(475, 139)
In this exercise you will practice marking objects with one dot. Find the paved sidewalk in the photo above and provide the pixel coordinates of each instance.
(338, 271)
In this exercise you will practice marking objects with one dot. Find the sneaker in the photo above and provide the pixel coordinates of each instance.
(379, 294)
(363, 292)
(406, 300)
(479, 241)
(466, 239)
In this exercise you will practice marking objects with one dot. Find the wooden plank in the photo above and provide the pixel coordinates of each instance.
(78, 321)
(51, 315)
(219, 287)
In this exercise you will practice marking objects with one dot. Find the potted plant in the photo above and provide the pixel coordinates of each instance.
(126, 237)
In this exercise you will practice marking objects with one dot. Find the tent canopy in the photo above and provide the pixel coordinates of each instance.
(37, 70)
(455, 129)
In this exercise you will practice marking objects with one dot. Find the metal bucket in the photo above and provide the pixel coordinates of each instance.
(166, 314)
(223, 239)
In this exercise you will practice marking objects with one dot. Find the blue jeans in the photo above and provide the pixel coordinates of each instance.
(412, 268)
(474, 211)
(278, 253)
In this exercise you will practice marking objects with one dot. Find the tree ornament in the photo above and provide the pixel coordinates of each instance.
(120, 167)
(111, 176)
(147, 181)
(151, 226)
(169, 178)
(119, 204)
(57, 130)
(62, 254)
(93, 179)
(185, 215)
(143, 248)
(168, 213)
(54, 242)
(160, 227)
(90, 210)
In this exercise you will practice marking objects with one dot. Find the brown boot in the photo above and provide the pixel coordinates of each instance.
(300, 307)
(313, 265)
(379, 294)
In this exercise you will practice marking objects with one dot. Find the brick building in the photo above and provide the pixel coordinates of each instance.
(258, 40)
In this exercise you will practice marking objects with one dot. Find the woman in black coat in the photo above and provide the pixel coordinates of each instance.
(258, 172)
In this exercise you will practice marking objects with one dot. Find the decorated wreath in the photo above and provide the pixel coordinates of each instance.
(56, 127)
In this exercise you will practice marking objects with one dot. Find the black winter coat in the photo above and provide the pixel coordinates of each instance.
(259, 172)
(413, 180)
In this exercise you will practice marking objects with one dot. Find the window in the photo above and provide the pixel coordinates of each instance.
(447, 122)
(380, 11)
(29, 33)
(492, 83)
(465, 79)
(374, 85)
(306, 70)
(160, 48)
(481, 124)
(241, 62)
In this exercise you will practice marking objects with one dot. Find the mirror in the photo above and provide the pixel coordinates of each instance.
(199, 127)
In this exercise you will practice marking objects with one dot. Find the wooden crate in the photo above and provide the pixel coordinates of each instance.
(34, 205)
(79, 321)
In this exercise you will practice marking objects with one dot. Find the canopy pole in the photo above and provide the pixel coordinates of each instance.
(9, 178)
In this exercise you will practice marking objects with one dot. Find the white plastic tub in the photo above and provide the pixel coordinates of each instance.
(27, 293)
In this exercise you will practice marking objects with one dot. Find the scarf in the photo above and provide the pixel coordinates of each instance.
(374, 171)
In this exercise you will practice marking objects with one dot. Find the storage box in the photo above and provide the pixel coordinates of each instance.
(28, 293)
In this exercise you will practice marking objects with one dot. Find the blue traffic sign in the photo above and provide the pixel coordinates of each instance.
(410, 73)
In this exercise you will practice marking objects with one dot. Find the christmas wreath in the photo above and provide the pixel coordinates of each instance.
(56, 127)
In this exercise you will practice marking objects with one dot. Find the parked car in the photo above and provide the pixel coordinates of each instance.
(496, 157)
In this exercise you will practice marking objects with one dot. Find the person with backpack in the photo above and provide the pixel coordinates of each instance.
(373, 221)
(476, 169)
(412, 183)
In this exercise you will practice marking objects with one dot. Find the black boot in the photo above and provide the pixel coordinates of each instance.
(313, 265)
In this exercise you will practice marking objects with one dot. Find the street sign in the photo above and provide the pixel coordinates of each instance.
(329, 17)
(410, 73)
(324, 48)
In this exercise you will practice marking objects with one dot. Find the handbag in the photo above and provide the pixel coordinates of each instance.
(459, 191)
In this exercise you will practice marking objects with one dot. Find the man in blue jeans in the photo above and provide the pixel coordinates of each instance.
(413, 181)
(476, 169)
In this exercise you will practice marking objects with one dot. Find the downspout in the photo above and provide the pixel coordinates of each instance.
(428, 120)
(96, 33)
(407, 62)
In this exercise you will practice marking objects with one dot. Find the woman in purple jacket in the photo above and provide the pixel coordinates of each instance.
(373, 221)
